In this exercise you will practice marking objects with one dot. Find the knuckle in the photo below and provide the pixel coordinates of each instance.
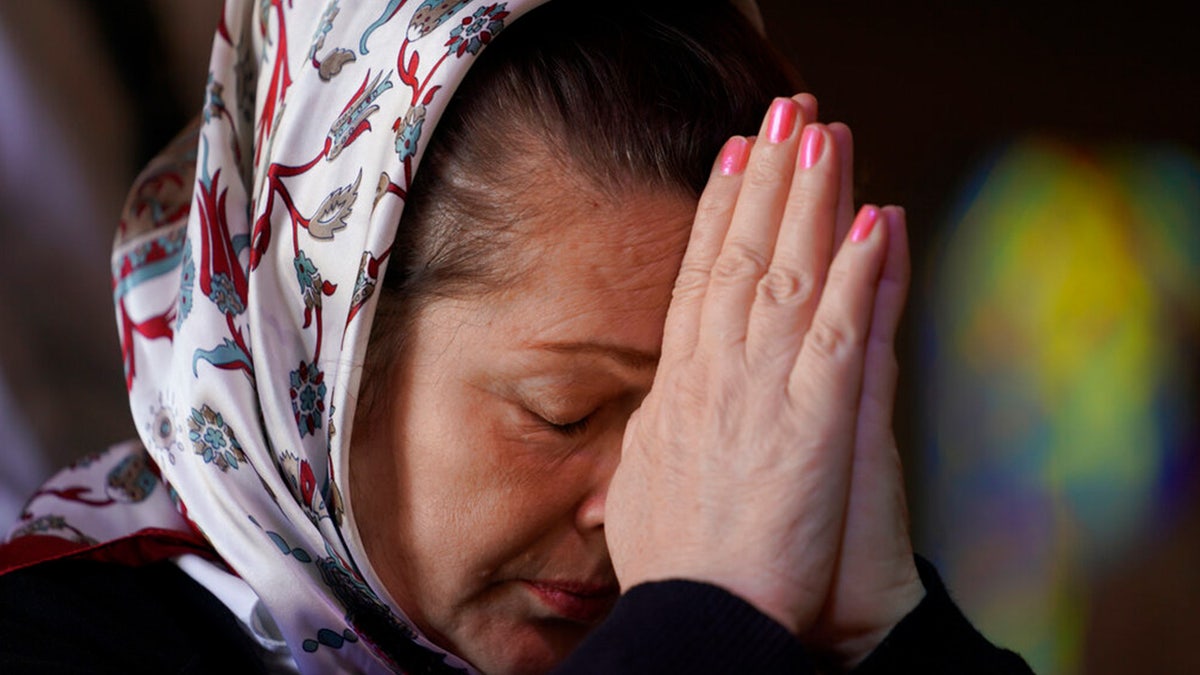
(832, 341)
(738, 263)
(785, 287)
(838, 276)
(763, 174)
(714, 207)
(691, 282)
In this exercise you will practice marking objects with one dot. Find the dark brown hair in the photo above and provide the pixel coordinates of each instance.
(629, 96)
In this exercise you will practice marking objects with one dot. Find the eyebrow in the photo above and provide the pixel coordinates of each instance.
(626, 356)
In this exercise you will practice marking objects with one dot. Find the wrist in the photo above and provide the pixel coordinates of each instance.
(844, 650)
(761, 591)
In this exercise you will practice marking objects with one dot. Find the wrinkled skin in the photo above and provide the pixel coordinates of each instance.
(763, 459)
(466, 491)
(756, 453)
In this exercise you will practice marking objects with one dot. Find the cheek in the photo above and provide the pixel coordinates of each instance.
(476, 505)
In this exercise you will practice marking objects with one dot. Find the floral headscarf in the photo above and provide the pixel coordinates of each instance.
(244, 278)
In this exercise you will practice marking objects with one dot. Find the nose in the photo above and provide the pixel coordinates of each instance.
(590, 516)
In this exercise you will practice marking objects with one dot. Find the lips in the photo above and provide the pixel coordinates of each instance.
(575, 601)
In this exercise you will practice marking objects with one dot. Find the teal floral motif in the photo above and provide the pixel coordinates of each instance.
(477, 30)
(187, 284)
(161, 430)
(42, 525)
(287, 549)
(323, 27)
(159, 248)
(393, 6)
(364, 283)
(225, 295)
(352, 123)
(52, 524)
(332, 431)
(308, 397)
(380, 629)
(430, 15)
(408, 131)
(310, 281)
(214, 104)
(133, 479)
(311, 285)
(331, 64)
(329, 638)
(213, 440)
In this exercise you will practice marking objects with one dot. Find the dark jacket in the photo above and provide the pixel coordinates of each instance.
(81, 616)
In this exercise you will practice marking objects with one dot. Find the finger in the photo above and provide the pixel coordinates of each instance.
(827, 377)
(808, 104)
(749, 244)
(876, 549)
(843, 140)
(787, 294)
(713, 214)
(880, 370)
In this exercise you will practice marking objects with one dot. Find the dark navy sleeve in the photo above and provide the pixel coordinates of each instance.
(937, 638)
(691, 627)
(75, 616)
(686, 627)
(87, 617)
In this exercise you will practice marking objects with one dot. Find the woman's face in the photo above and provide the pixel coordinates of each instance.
(480, 492)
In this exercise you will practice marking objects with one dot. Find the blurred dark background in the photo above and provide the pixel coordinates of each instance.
(1068, 529)
(1058, 497)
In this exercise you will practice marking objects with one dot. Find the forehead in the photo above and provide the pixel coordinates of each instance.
(575, 239)
(558, 212)
(594, 265)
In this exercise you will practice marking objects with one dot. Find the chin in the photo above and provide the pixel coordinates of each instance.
(529, 649)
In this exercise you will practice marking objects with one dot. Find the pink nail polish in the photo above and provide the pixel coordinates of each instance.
(864, 223)
(781, 120)
(811, 144)
(734, 156)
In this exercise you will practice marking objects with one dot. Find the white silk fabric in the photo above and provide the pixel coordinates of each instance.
(244, 277)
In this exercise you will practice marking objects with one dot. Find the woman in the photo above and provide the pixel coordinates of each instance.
(461, 464)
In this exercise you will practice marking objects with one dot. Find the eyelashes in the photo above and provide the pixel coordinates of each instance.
(576, 428)
(566, 429)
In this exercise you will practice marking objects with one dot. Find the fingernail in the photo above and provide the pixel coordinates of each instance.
(734, 156)
(864, 223)
(781, 119)
(811, 144)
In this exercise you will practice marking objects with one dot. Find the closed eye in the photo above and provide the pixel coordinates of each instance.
(576, 428)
